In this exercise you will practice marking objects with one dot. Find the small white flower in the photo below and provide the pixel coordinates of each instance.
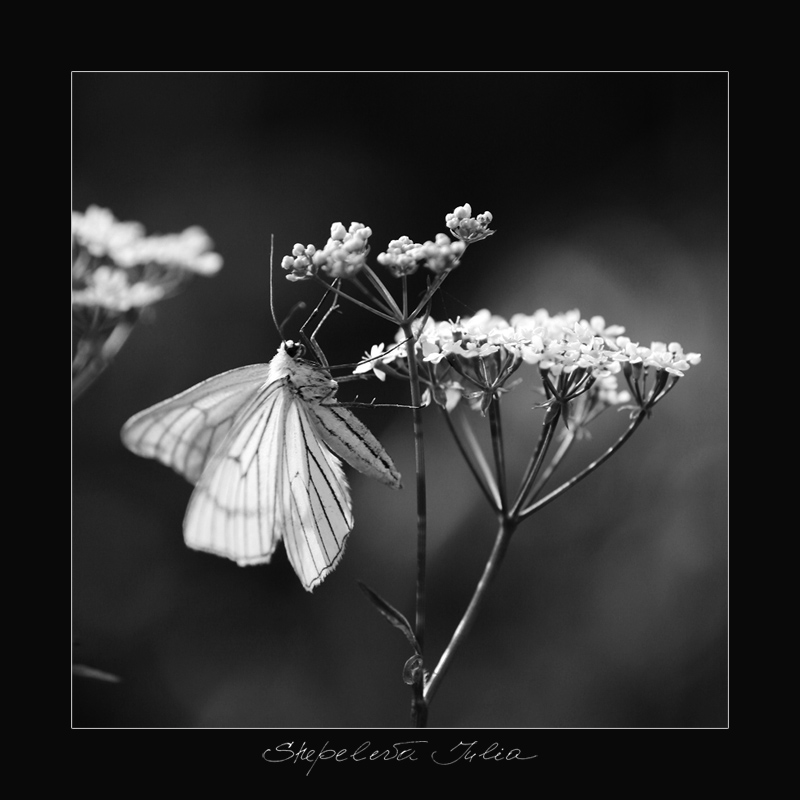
(109, 288)
(466, 227)
(372, 362)
(116, 266)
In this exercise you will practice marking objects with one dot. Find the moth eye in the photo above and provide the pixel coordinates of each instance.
(295, 349)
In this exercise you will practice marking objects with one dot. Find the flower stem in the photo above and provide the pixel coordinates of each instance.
(340, 293)
(419, 708)
(507, 527)
(563, 449)
(488, 487)
(385, 294)
(497, 448)
(526, 512)
(432, 289)
(548, 429)
(95, 353)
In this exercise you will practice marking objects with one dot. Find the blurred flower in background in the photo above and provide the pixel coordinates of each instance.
(117, 271)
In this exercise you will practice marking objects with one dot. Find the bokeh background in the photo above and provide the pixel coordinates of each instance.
(609, 194)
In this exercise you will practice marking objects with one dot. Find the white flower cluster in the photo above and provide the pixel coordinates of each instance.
(126, 245)
(557, 344)
(343, 256)
(466, 227)
(117, 267)
(110, 288)
(563, 342)
(403, 256)
(346, 251)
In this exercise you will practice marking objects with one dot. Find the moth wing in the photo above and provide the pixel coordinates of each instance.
(235, 510)
(272, 477)
(317, 512)
(185, 431)
(351, 440)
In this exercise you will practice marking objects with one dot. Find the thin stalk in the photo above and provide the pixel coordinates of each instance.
(359, 284)
(432, 289)
(555, 461)
(507, 527)
(526, 512)
(380, 287)
(352, 299)
(535, 464)
(93, 356)
(491, 494)
(482, 463)
(497, 448)
(419, 707)
(534, 456)
(659, 396)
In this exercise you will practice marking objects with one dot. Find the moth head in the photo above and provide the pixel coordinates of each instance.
(294, 349)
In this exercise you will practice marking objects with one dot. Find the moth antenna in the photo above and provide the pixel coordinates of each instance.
(278, 327)
(301, 305)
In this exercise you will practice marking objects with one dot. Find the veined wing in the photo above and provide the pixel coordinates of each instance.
(317, 506)
(352, 441)
(273, 477)
(261, 444)
(185, 431)
(343, 432)
(233, 510)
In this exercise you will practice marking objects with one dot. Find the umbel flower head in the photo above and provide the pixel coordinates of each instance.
(343, 256)
(474, 358)
(117, 267)
(345, 253)
(116, 272)
(466, 227)
(404, 257)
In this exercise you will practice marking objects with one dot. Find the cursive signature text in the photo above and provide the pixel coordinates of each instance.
(411, 750)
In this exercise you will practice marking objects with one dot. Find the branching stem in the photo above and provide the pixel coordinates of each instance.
(504, 534)
(534, 507)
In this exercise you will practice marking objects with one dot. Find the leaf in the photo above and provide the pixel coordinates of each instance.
(412, 670)
(392, 614)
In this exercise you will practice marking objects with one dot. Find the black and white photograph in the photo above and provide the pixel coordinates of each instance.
(399, 402)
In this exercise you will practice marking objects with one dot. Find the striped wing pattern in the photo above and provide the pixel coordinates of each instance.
(352, 441)
(261, 445)
(186, 430)
(273, 478)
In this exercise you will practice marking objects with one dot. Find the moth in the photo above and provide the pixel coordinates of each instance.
(264, 445)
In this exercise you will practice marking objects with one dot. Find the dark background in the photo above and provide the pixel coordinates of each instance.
(609, 194)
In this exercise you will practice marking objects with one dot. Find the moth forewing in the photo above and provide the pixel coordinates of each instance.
(184, 431)
(352, 441)
(339, 428)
